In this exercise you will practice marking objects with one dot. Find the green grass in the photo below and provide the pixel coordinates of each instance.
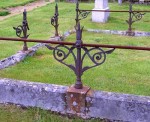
(14, 3)
(11, 3)
(11, 113)
(124, 71)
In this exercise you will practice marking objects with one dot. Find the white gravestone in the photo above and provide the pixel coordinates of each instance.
(119, 2)
(97, 16)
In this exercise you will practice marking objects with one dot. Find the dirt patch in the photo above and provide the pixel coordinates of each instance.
(19, 9)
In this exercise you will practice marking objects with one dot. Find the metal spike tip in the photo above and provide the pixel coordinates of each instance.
(25, 10)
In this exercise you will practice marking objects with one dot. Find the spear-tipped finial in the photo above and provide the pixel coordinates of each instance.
(24, 14)
(79, 31)
(77, 4)
(54, 20)
(78, 34)
(56, 5)
(25, 22)
(77, 13)
(56, 9)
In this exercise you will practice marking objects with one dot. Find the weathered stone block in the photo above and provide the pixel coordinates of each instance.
(123, 107)
(46, 96)
(98, 104)
(19, 56)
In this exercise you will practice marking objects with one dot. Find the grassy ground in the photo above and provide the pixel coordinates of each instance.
(11, 3)
(124, 71)
(11, 113)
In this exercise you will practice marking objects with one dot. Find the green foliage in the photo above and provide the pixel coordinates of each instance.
(4, 13)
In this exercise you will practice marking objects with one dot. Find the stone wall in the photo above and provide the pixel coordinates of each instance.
(99, 104)
(117, 32)
(19, 56)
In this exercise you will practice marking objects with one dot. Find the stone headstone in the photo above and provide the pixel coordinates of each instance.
(119, 2)
(98, 16)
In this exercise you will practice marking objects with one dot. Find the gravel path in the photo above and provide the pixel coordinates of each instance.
(19, 9)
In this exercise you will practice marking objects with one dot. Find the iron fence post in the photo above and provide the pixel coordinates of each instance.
(77, 12)
(56, 14)
(80, 14)
(25, 28)
(95, 54)
(133, 17)
(130, 18)
(78, 84)
(54, 20)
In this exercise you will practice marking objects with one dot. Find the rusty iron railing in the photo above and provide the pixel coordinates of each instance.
(21, 30)
(61, 52)
(134, 15)
(72, 43)
(78, 51)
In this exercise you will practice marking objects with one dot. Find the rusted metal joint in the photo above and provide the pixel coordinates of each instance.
(78, 43)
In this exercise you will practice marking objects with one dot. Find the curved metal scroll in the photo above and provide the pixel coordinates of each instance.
(96, 55)
(83, 14)
(97, 58)
(80, 14)
(134, 16)
(61, 55)
(137, 16)
(19, 30)
(22, 28)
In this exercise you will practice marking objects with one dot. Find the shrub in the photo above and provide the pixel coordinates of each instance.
(4, 13)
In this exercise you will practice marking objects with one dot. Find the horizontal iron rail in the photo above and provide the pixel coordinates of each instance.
(71, 43)
(115, 10)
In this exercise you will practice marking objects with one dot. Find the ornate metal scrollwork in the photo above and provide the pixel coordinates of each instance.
(133, 17)
(79, 52)
(98, 56)
(80, 14)
(137, 15)
(21, 30)
(83, 14)
(60, 55)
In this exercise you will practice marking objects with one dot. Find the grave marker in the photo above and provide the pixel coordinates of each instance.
(97, 16)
